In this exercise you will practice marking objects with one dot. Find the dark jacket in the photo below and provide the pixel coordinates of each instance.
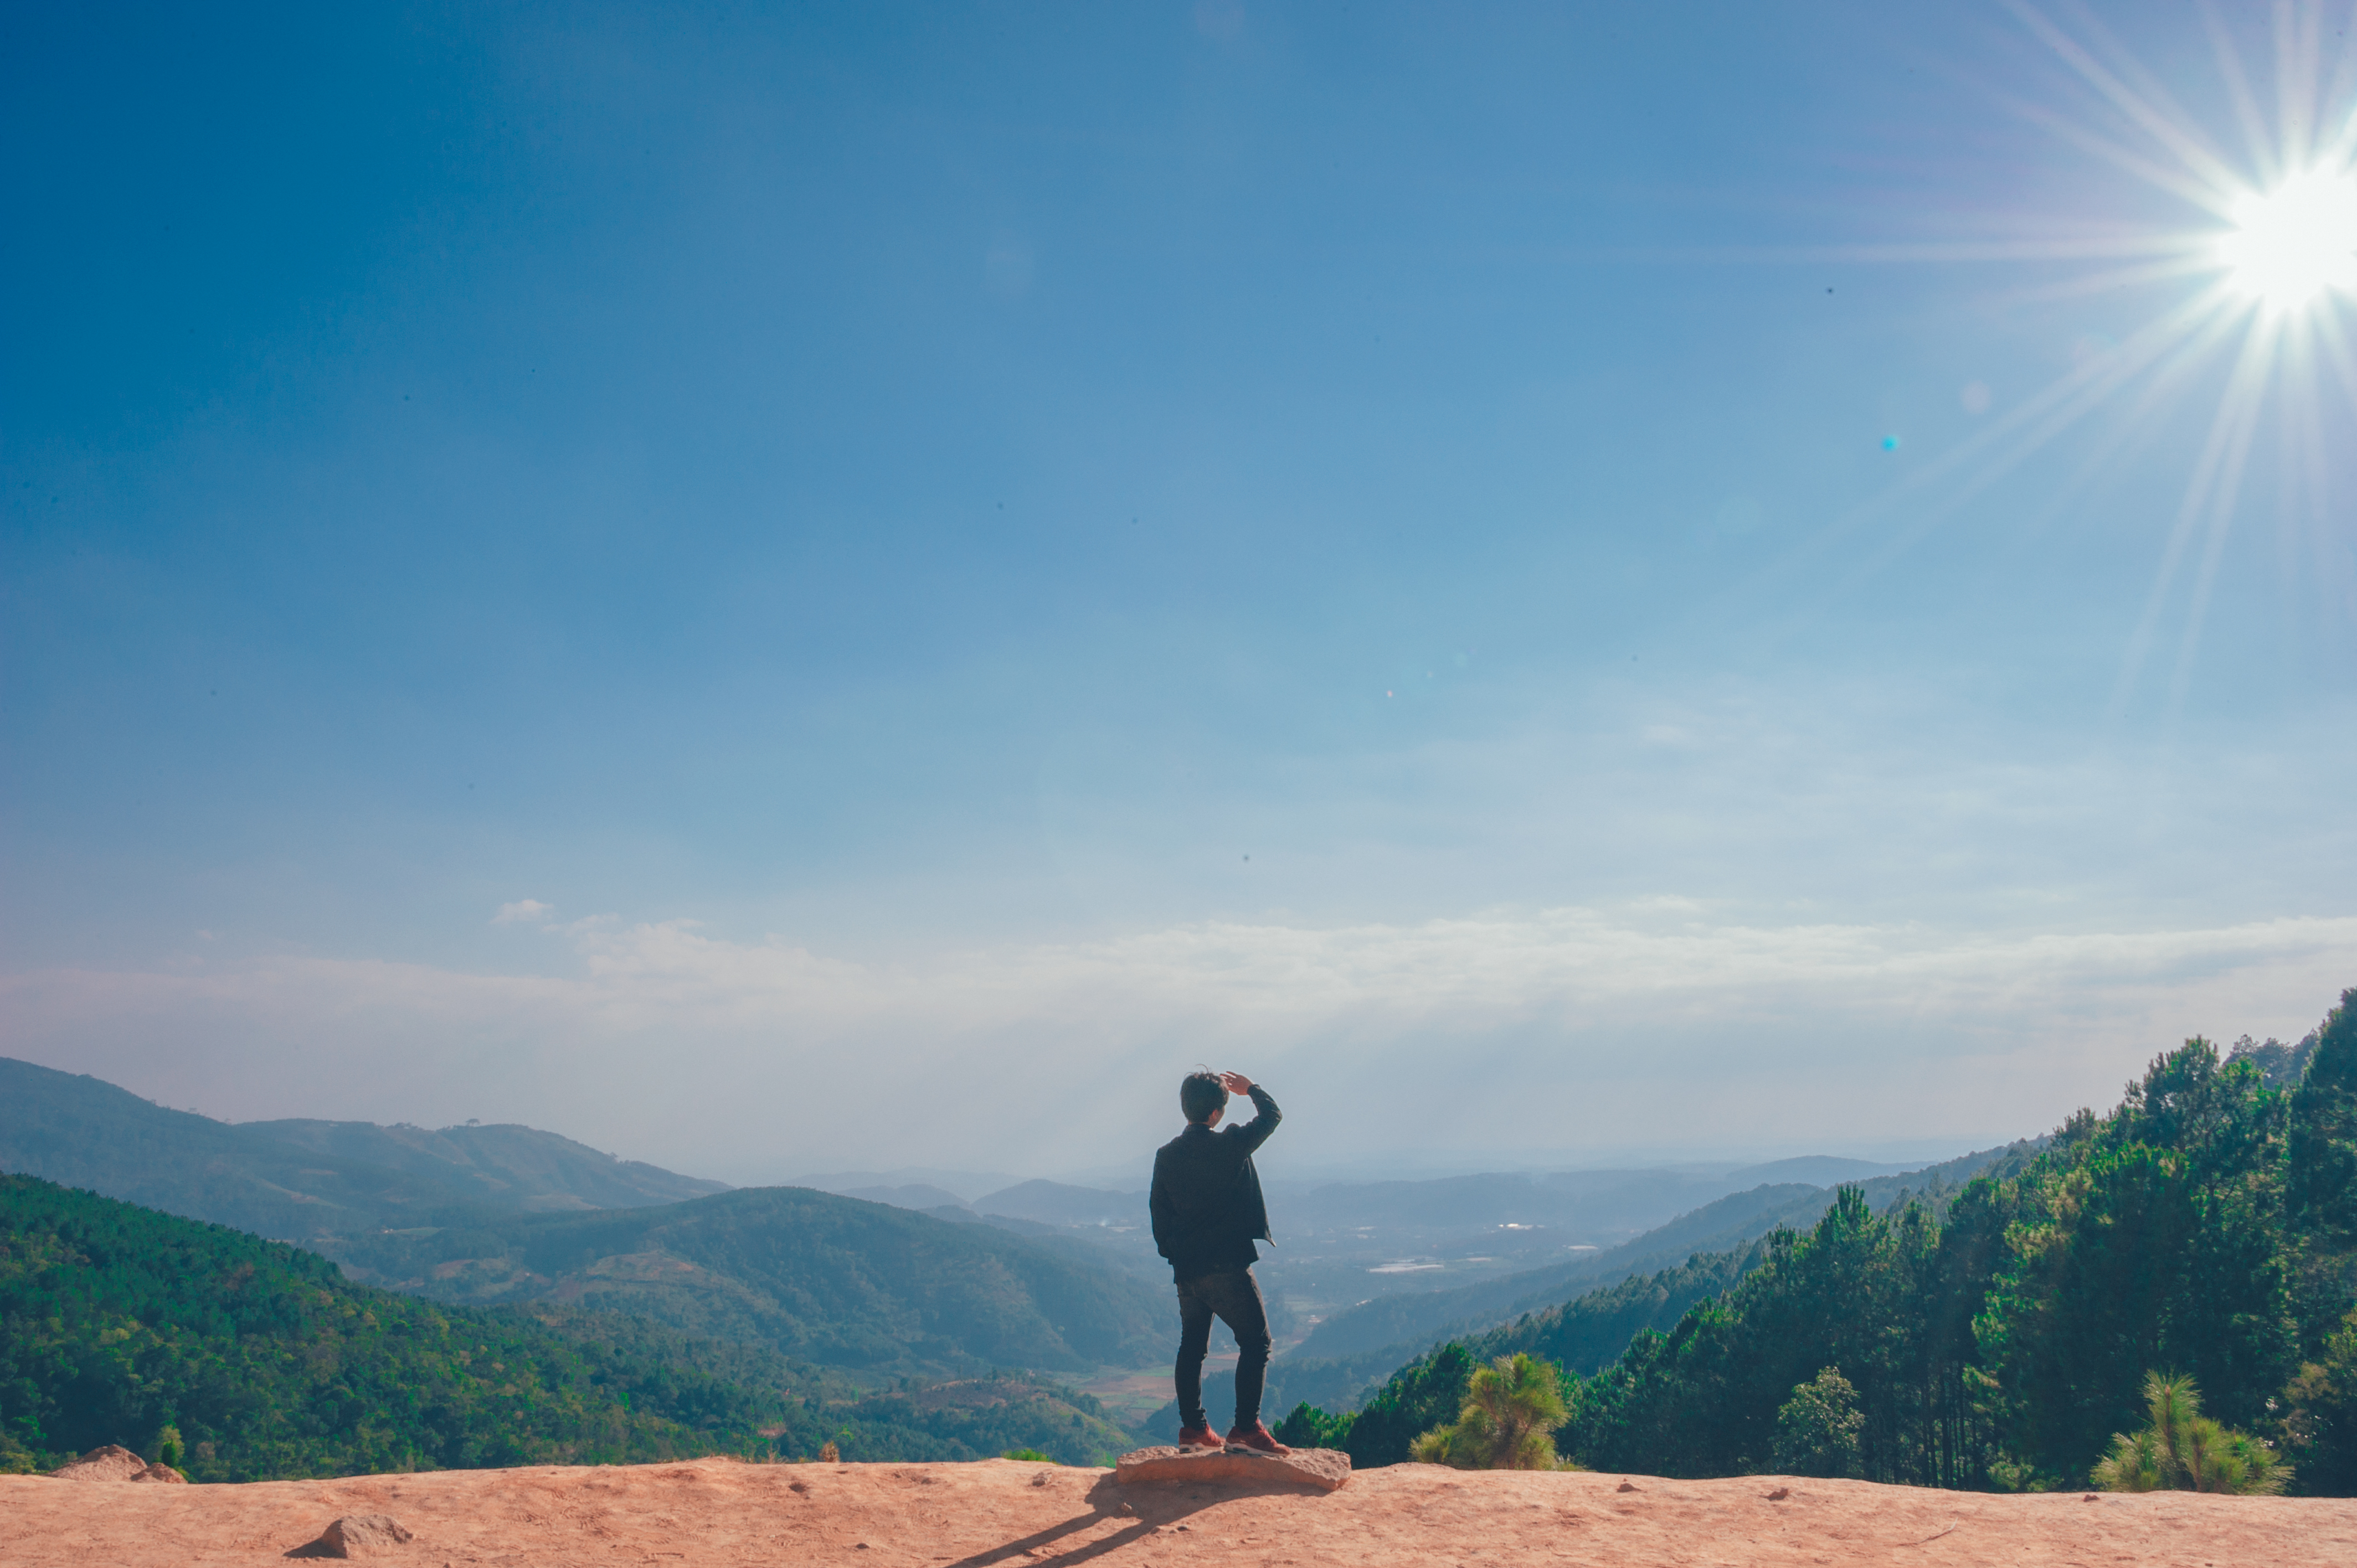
(1206, 1201)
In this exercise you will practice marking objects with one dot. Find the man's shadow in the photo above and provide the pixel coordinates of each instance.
(1145, 1507)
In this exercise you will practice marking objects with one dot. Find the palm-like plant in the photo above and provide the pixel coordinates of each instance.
(1512, 1409)
(2183, 1450)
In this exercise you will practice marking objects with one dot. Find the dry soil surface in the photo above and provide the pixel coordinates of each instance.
(1007, 1512)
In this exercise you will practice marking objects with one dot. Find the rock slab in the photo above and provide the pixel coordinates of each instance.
(1325, 1468)
(355, 1535)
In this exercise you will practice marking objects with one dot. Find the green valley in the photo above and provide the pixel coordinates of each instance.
(863, 1286)
(256, 1359)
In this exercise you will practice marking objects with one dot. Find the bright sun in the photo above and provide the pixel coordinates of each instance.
(2292, 243)
(2267, 268)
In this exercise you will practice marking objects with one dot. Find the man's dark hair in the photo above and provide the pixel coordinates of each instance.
(1199, 1094)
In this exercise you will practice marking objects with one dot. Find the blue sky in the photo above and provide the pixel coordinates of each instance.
(681, 573)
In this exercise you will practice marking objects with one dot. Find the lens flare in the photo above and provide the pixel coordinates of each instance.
(2260, 309)
(2291, 244)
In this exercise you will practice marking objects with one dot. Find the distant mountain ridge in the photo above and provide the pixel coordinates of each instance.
(503, 1163)
(902, 1278)
(303, 1181)
(922, 1196)
(1057, 1203)
(508, 1215)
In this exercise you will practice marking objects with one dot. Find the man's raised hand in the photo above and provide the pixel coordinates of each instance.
(1235, 1083)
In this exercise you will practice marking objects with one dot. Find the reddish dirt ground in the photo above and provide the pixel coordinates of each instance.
(1006, 1512)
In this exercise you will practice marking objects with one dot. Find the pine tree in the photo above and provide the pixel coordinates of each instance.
(2321, 1173)
(2182, 1450)
(1512, 1409)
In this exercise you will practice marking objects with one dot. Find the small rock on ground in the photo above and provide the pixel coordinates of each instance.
(356, 1535)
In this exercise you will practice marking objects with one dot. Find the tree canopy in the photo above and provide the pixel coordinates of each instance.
(2004, 1334)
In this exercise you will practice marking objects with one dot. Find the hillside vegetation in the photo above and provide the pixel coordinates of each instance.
(1398, 1324)
(118, 1323)
(862, 1286)
(1647, 1282)
(489, 1216)
(2206, 1227)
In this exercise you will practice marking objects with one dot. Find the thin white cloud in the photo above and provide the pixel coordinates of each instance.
(521, 911)
(1574, 1029)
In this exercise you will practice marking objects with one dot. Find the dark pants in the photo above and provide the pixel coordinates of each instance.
(1232, 1296)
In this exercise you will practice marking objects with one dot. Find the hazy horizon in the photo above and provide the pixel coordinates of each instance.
(869, 586)
(1282, 1173)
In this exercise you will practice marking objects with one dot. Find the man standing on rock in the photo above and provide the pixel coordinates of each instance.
(1207, 1212)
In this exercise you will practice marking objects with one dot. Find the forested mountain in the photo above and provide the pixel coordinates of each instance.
(830, 1280)
(1579, 1335)
(122, 1324)
(509, 1215)
(1662, 1272)
(1590, 1331)
(303, 1181)
(2207, 1226)
(1503, 1241)
(1409, 1319)
(1407, 1322)
(505, 1166)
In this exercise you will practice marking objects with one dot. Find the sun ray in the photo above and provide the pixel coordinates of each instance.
(2174, 357)
(2185, 187)
(2337, 353)
(2261, 145)
(2048, 412)
(2271, 259)
(2200, 490)
(2343, 146)
(2168, 132)
(2344, 77)
(2138, 427)
(2193, 328)
(2296, 58)
(2102, 282)
(2239, 411)
(2085, 247)
(2305, 422)
(2332, 348)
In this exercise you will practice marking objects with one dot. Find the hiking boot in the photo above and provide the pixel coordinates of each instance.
(1256, 1438)
(1197, 1436)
